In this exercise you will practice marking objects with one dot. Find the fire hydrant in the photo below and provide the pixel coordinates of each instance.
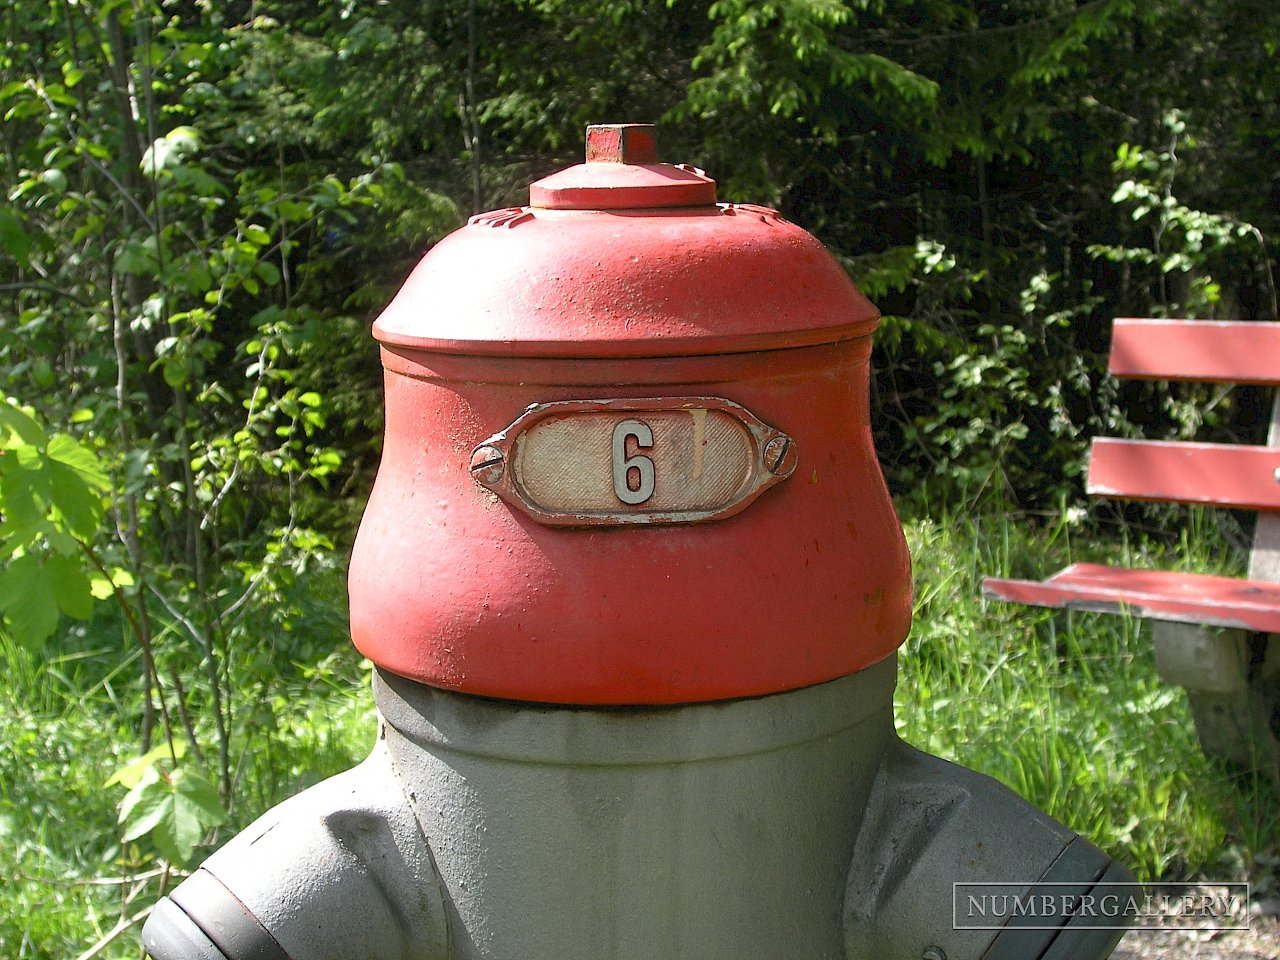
(633, 587)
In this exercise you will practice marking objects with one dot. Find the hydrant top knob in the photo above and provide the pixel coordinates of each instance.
(621, 143)
(622, 172)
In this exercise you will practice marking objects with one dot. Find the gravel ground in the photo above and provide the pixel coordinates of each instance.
(1261, 941)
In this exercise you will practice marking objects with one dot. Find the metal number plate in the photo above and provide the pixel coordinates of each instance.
(612, 462)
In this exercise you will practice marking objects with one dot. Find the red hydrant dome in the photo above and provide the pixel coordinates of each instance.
(618, 259)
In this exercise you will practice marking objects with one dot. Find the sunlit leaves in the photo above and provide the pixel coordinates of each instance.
(51, 503)
(28, 599)
(1175, 238)
(168, 803)
(131, 774)
(171, 150)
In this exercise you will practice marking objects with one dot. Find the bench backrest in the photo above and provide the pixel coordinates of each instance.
(1208, 351)
(1226, 475)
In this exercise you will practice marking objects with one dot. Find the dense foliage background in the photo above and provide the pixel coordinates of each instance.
(204, 204)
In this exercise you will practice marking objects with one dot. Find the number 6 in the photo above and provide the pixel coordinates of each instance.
(623, 465)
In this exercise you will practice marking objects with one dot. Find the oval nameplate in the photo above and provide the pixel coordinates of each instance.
(613, 462)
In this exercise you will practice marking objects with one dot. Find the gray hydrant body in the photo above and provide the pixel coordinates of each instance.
(633, 587)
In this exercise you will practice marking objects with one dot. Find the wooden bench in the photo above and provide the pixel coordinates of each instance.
(1217, 636)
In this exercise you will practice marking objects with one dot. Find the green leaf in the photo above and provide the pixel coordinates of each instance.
(55, 180)
(66, 449)
(171, 149)
(28, 600)
(75, 497)
(136, 470)
(16, 580)
(42, 372)
(136, 258)
(70, 586)
(19, 424)
(102, 588)
(176, 811)
(62, 542)
(266, 315)
(16, 241)
(268, 273)
(176, 372)
(24, 519)
(131, 774)
(143, 807)
(200, 798)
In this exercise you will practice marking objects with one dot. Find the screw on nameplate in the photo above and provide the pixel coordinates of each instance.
(487, 464)
(780, 456)
(633, 143)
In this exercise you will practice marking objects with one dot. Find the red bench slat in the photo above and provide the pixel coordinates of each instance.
(1160, 594)
(1196, 350)
(1225, 475)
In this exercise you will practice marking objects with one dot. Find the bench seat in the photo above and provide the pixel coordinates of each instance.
(1158, 594)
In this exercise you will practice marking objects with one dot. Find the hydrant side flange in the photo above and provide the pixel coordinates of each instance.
(339, 871)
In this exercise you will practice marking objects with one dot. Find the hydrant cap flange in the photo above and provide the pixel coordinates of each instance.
(622, 171)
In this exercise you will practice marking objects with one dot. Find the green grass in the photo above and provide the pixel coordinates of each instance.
(1064, 708)
(69, 720)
